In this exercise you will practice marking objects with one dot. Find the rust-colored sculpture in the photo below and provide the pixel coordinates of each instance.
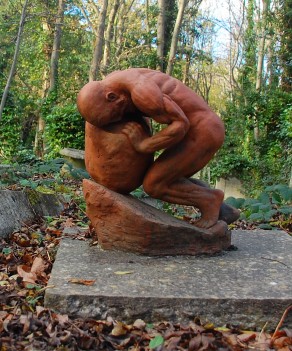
(110, 158)
(119, 146)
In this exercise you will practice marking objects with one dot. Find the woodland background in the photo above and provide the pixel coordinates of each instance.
(50, 48)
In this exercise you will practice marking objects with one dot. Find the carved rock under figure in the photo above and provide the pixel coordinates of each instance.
(119, 149)
(127, 224)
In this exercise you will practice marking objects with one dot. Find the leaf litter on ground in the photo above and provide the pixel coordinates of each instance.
(26, 260)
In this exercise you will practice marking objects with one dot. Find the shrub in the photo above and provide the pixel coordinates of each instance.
(64, 128)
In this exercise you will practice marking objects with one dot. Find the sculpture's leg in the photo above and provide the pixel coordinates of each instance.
(227, 213)
(166, 180)
(184, 192)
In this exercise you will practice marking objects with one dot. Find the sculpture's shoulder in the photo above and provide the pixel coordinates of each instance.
(130, 78)
(136, 74)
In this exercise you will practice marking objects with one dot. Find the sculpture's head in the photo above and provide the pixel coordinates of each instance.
(100, 105)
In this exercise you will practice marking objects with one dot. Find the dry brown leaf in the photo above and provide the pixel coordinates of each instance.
(172, 343)
(119, 329)
(263, 342)
(66, 337)
(283, 342)
(195, 343)
(62, 318)
(230, 338)
(40, 310)
(285, 348)
(69, 223)
(25, 273)
(139, 324)
(6, 321)
(81, 281)
(38, 266)
(54, 231)
(246, 337)
(25, 321)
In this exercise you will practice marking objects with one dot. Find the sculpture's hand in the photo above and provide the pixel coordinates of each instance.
(135, 133)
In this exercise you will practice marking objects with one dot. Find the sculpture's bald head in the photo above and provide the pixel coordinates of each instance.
(98, 104)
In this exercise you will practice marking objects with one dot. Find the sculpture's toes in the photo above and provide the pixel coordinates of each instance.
(228, 213)
(220, 228)
(204, 223)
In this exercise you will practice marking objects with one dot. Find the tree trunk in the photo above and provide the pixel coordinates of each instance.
(286, 46)
(121, 27)
(56, 46)
(174, 40)
(15, 57)
(109, 37)
(148, 40)
(261, 48)
(160, 35)
(97, 54)
(260, 61)
(39, 143)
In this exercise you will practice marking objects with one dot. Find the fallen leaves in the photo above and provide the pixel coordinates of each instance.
(33, 273)
(25, 264)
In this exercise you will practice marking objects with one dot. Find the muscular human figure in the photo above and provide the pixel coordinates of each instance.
(191, 138)
(110, 158)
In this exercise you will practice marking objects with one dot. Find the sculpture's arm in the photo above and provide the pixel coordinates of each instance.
(153, 103)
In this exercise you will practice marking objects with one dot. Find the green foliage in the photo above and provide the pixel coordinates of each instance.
(64, 128)
(257, 162)
(40, 175)
(271, 209)
(157, 341)
(230, 165)
(274, 202)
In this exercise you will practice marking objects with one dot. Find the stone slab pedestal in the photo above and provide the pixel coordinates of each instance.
(127, 224)
(247, 287)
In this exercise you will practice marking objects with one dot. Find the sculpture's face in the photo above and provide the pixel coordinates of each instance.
(98, 105)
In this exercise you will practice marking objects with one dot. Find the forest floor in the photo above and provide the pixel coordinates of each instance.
(26, 260)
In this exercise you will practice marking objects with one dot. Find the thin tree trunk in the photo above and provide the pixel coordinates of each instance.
(260, 61)
(109, 37)
(148, 41)
(15, 57)
(261, 49)
(174, 40)
(161, 35)
(39, 142)
(56, 46)
(97, 54)
(121, 27)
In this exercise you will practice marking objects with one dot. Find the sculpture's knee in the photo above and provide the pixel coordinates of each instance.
(153, 188)
(218, 135)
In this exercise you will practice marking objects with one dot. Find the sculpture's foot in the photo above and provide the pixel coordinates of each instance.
(205, 223)
(228, 213)
(219, 229)
(210, 210)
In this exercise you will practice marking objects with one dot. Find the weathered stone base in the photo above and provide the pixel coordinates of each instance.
(127, 224)
(247, 287)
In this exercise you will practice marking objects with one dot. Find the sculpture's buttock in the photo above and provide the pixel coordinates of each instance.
(111, 159)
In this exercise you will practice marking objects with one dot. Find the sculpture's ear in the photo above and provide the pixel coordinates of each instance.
(111, 96)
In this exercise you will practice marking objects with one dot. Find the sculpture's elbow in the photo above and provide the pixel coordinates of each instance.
(179, 130)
